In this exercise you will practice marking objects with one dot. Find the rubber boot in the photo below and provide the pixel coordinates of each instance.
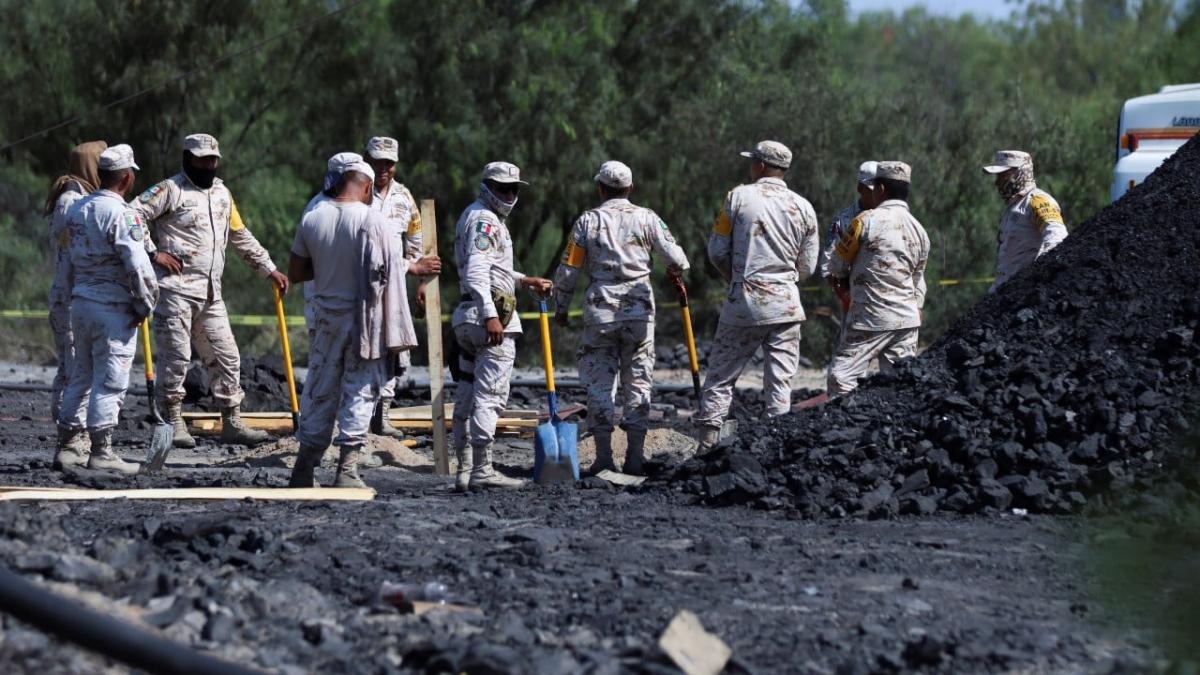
(180, 437)
(634, 453)
(306, 463)
(347, 470)
(236, 433)
(72, 449)
(462, 480)
(380, 424)
(709, 436)
(103, 458)
(484, 475)
(604, 457)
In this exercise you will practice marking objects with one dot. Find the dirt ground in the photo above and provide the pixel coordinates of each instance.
(565, 580)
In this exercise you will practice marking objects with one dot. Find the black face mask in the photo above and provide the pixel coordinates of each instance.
(201, 178)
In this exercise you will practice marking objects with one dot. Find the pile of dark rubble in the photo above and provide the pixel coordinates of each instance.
(1069, 382)
(263, 381)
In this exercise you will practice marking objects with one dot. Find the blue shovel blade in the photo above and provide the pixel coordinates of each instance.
(556, 456)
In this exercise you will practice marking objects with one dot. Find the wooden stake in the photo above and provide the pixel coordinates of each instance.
(11, 493)
(433, 324)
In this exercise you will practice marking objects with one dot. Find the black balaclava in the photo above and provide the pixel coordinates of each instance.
(201, 178)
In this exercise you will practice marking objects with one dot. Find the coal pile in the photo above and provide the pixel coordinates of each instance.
(263, 379)
(1068, 383)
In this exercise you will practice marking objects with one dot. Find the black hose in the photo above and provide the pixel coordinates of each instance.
(104, 634)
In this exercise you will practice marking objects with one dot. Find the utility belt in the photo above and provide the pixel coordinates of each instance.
(506, 304)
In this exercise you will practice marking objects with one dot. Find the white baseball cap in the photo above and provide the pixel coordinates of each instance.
(339, 162)
(867, 171)
(361, 167)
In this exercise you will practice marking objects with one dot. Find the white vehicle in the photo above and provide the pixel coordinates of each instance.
(1151, 129)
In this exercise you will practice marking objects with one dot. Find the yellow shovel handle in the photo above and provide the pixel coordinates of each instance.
(693, 360)
(547, 353)
(287, 349)
(147, 357)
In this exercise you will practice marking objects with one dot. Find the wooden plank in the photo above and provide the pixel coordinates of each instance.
(433, 330)
(425, 412)
(267, 494)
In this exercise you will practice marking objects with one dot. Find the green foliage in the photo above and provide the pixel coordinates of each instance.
(672, 88)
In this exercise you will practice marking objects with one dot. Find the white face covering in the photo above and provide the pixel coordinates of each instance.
(494, 202)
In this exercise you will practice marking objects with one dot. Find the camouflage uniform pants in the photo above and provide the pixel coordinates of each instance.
(106, 337)
(477, 405)
(857, 348)
(391, 384)
(733, 346)
(64, 342)
(341, 386)
(178, 320)
(625, 347)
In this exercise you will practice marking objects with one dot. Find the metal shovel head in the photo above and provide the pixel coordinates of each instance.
(556, 456)
(160, 446)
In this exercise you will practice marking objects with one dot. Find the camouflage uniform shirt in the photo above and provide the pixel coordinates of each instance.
(1031, 225)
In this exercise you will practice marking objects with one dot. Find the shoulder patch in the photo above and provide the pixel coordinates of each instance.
(851, 239)
(152, 192)
(134, 223)
(483, 242)
(1044, 210)
(484, 227)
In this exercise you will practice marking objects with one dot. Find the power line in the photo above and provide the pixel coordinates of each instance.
(185, 75)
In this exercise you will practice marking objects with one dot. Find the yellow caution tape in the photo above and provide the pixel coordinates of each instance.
(271, 319)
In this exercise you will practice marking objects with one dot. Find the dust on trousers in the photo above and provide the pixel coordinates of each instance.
(105, 341)
(627, 348)
(733, 347)
(341, 386)
(856, 350)
(178, 321)
(482, 394)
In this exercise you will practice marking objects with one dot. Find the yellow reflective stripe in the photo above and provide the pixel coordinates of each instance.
(414, 225)
(723, 226)
(573, 256)
(847, 246)
(235, 218)
(1044, 211)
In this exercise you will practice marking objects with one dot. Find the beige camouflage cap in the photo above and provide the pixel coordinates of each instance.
(202, 145)
(894, 171)
(615, 175)
(771, 152)
(382, 147)
(503, 172)
(867, 171)
(1009, 159)
(118, 157)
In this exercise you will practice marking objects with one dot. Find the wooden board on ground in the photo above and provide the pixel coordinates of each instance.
(424, 412)
(15, 493)
(415, 419)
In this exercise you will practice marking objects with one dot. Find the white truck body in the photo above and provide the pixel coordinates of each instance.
(1150, 130)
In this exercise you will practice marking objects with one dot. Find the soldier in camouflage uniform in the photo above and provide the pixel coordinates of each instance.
(399, 210)
(865, 202)
(194, 217)
(764, 243)
(1032, 222)
(881, 256)
(486, 322)
(113, 290)
(68, 189)
(614, 242)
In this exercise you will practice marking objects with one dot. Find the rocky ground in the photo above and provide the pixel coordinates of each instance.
(563, 579)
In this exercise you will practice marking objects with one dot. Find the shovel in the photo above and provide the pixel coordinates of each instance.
(693, 360)
(287, 359)
(555, 455)
(161, 442)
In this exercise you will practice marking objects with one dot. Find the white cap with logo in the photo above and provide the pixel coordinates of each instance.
(1009, 159)
(867, 171)
(615, 175)
(503, 172)
(382, 147)
(118, 157)
(202, 145)
(341, 161)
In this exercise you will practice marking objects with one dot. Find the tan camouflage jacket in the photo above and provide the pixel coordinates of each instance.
(483, 253)
(1030, 225)
(195, 225)
(840, 222)
(764, 243)
(883, 253)
(615, 243)
(400, 211)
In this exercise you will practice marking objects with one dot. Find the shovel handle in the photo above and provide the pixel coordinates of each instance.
(689, 336)
(547, 356)
(287, 358)
(146, 355)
